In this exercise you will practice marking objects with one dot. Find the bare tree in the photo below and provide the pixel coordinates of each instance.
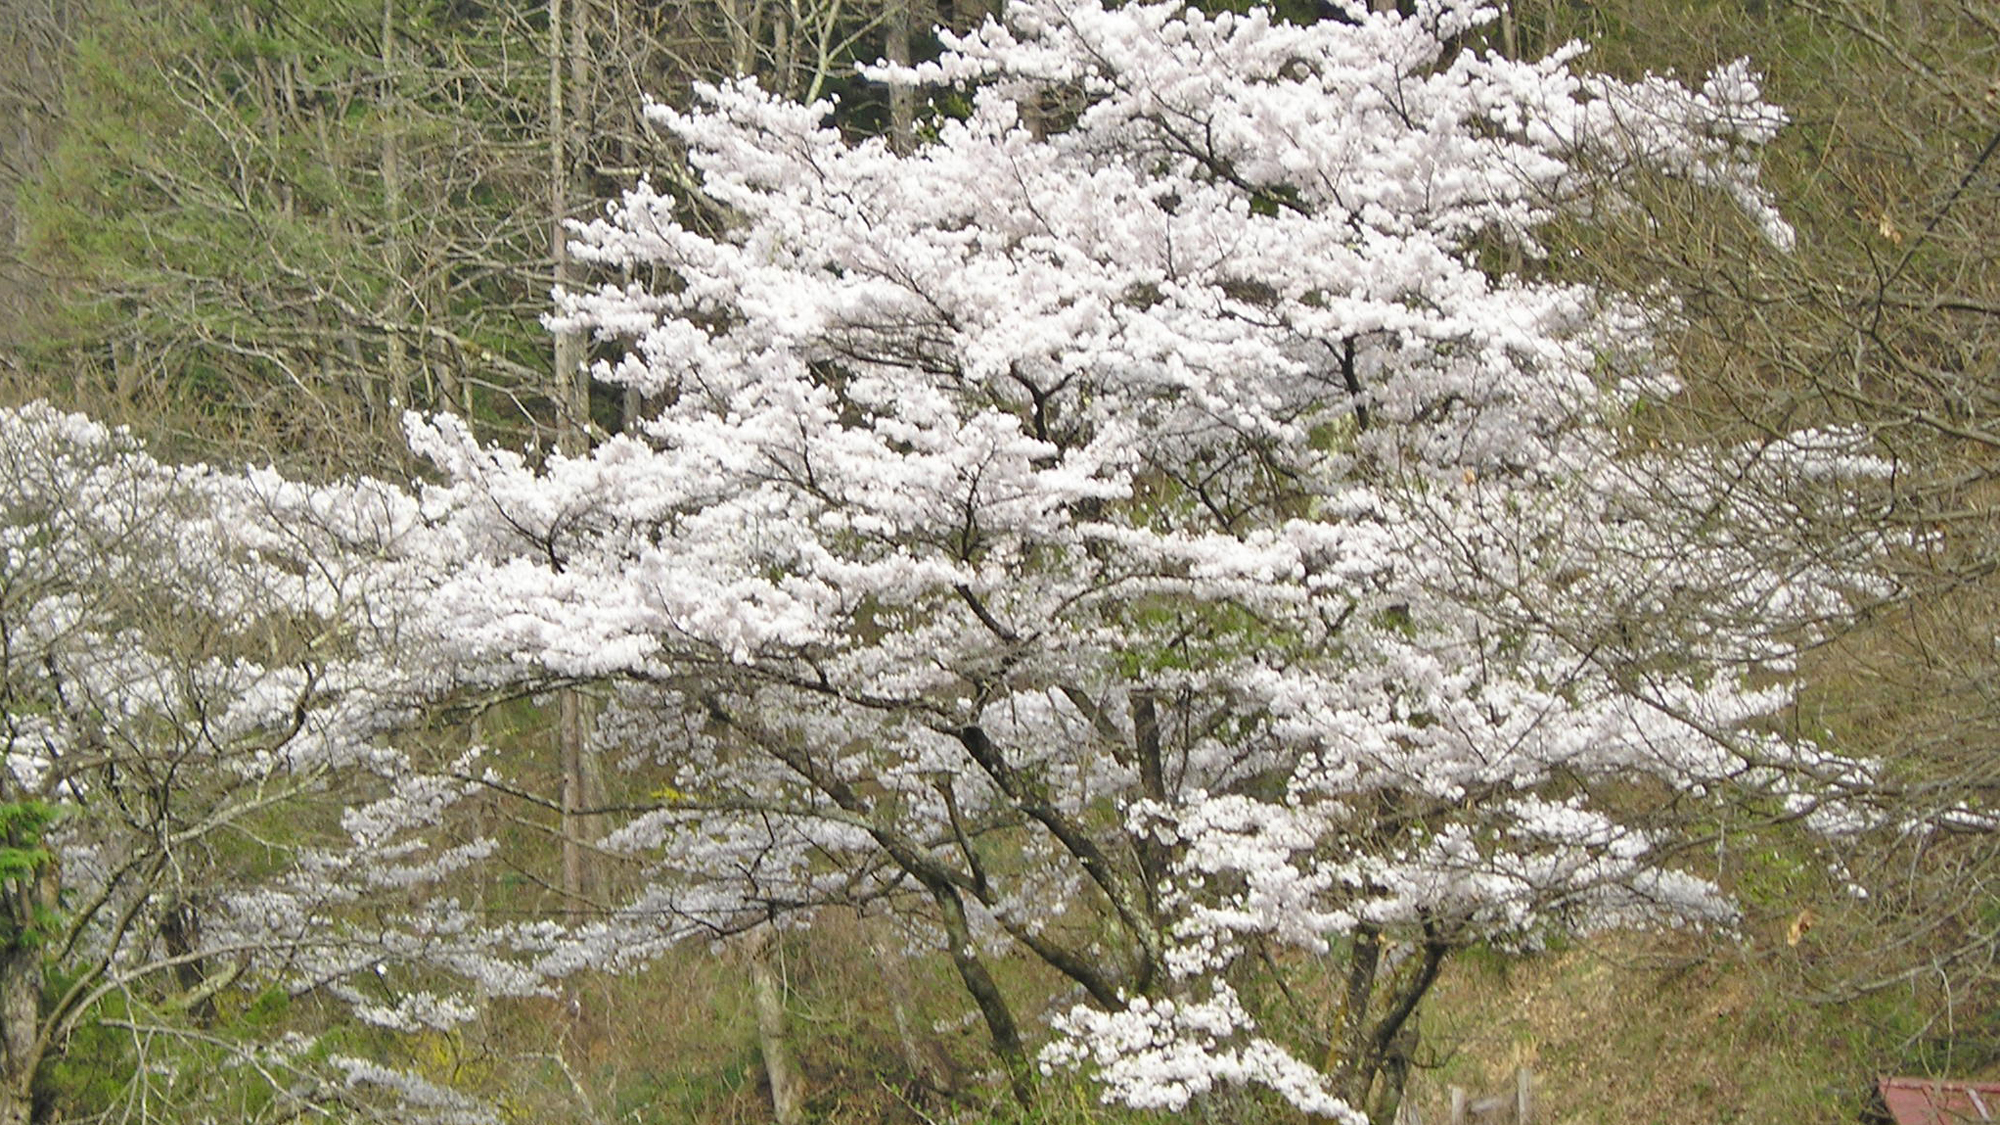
(1885, 318)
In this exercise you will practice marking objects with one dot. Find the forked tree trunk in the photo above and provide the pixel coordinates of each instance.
(1351, 1073)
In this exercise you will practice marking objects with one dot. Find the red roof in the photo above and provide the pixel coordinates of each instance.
(1932, 1101)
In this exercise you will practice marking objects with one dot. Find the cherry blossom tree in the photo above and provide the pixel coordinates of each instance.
(1143, 529)
(199, 674)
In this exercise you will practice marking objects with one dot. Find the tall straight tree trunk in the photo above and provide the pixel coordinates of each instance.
(902, 99)
(631, 404)
(569, 386)
(396, 314)
(569, 58)
(577, 885)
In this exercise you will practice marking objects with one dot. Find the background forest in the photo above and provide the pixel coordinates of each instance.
(257, 232)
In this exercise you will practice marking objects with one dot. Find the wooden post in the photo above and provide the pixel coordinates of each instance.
(1458, 1105)
(1524, 1086)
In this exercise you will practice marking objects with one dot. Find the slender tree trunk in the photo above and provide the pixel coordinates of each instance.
(631, 404)
(576, 866)
(785, 52)
(397, 312)
(902, 99)
(570, 386)
(924, 1065)
(787, 1086)
(745, 25)
(569, 49)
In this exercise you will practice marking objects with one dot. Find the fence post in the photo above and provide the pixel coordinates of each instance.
(1458, 1105)
(1524, 1086)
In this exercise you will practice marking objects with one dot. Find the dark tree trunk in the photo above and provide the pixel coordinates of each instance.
(20, 1009)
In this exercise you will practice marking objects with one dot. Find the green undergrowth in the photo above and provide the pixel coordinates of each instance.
(1623, 1028)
